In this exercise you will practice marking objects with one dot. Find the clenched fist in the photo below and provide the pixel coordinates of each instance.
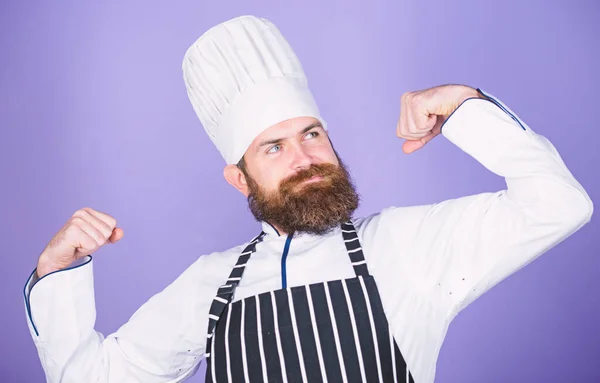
(423, 113)
(85, 232)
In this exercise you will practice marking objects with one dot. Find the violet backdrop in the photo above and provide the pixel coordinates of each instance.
(93, 112)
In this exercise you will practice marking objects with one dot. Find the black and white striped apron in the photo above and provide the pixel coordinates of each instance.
(333, 331)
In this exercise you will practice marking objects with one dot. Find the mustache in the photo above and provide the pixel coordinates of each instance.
(323, 170)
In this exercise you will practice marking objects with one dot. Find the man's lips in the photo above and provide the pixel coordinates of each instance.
(313, 179)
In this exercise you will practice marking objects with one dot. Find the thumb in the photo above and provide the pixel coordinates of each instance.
(116, 235)
(410, 146)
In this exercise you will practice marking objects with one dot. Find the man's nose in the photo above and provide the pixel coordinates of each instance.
(302, 160)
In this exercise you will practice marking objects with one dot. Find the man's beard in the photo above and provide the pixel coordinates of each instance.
(314, 208)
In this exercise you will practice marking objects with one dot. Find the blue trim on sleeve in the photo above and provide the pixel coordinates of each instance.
(498, 104)
(26, 296)
(488, 99)
(286, 250)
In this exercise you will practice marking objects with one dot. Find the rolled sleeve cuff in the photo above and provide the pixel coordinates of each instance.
(490, 132)
(49, 300)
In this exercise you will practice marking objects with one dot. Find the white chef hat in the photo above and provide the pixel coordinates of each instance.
(242, 77)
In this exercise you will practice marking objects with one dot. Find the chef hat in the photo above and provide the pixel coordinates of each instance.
(242, 77)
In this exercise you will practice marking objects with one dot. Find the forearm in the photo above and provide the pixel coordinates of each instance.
(61, 315)
(457, 249)
(491, 235)
(537, 179)
(150, 347)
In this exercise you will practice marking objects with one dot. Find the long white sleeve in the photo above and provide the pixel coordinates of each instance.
(162, 342)
(431, 261)
(455, 250)
(492, 235)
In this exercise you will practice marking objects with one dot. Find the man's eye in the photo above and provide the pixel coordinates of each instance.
(314, 134)
(274, 148)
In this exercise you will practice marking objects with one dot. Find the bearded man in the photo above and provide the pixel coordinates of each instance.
(318, 295)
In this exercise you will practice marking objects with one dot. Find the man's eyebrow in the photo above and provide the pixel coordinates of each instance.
(277, 140)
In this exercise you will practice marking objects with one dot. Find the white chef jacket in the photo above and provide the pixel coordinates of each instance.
(429, 262)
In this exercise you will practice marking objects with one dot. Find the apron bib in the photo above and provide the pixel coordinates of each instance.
(333, 331)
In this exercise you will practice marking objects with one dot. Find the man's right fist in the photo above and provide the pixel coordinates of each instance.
(85, 232)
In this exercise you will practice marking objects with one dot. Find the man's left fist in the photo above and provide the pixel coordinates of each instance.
(423, 113)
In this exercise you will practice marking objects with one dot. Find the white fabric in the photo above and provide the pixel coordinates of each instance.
(428, 261)
(242, 77)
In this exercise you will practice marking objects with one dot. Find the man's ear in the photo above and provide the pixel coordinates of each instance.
(236, 178)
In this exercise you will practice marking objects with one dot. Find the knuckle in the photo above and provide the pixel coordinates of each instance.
(99, 240)
(83, 210)
(416, 99)
(89, 243)
(105, 234)
(73, 229)
(85, 215)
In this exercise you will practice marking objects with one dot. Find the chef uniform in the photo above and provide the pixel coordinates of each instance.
(370, 301)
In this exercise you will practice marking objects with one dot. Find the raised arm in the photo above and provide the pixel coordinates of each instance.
(162, 342)
(455, 250)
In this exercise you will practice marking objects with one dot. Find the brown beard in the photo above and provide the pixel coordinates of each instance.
(314, 208)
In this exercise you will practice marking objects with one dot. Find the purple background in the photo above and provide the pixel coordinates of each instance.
(93, 112)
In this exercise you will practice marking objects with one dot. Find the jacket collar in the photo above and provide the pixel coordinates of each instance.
(272, 233)
(269, 229)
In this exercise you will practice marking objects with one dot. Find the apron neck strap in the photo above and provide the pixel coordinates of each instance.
(354, 248)
(225, 292)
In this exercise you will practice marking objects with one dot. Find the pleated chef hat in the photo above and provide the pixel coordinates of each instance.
(242, 77)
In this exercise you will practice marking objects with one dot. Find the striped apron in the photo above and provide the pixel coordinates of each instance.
(332, 331)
